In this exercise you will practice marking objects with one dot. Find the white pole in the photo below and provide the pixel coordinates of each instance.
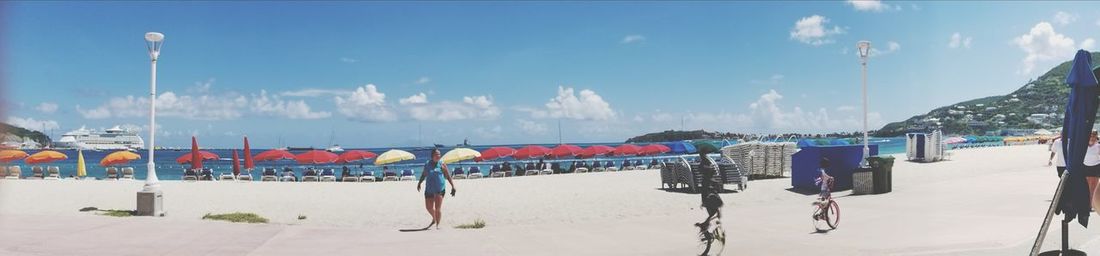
(866, 148)
(151, 181)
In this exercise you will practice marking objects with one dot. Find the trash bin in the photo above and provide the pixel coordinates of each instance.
(882, 169)
(863, 181)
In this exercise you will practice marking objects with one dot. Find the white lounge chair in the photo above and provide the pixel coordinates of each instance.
(127, 173)
(37, 172)
(112, 173)
(458, 173)
(288, 176)
(348, 178)
(3, 172)
(474, 173)
(14, 173)
(327, 175)
(311, 175)
(188, 174)
(368, 176)
(227, 176)
(245, 175)
(269, 174)
(407, 175)
(580, 170)
(611, 166)
(389, 176)
(53, 173)
(546, 169)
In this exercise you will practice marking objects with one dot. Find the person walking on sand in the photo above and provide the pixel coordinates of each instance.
(1092, 164)
(435, 172)
(1056, 156)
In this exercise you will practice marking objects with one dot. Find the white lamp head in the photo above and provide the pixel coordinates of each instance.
(864, 48)
(154, 37)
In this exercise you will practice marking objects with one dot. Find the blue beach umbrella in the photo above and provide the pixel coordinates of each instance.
(1080, 116)
(681, 147)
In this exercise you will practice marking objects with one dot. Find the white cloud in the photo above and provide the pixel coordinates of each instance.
(870, 5)
(1043, 44)
(314, 92)
(201, 86)
(365, 104)
(274, 106)
(766, 114)
(489, 133)
(471, 107)
(348, 60)
(1064, 18)
(1088, 44)
(46, 107)
(423, 80)
(199, 107)
(813, 30)
(531, 127)
(957, 40)
(773, 80)
(845, 108)
(419, 98)
(32, 124)
(891, 47)
(632, 39)
(588, 106)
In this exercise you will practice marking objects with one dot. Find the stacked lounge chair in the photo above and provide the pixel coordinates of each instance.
(474, 173)
(269, 174)
(407, 175)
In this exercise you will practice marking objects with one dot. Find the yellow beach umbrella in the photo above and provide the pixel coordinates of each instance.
(120, 157)
(7, 156)
(459, 154)
(81, 171)
(393, 156)
(45, 156)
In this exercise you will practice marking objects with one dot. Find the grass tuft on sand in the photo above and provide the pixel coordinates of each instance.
(478, 224)
(238, 217)
(117, 213)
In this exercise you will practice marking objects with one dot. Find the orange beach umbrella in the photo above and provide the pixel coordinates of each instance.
(45, 156)
(120, 157)
(8, 156)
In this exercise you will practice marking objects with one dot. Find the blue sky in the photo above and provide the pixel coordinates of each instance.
(371, 73)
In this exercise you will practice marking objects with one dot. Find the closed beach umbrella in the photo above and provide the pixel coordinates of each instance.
(532, 151)
(565, 150)
(595, 150)
(10, 155)
(393, 156)
(236, 164)
(496, 152)
(654, 149)
(355, 155)
(81, 170)
(681, 147)
(45, 157)
(119, 157)
(1080, 114)
(316, 157)
(459, 154)
(196, 157)
(274, 155)
(248, 164)
(202, 155)
(627, 150)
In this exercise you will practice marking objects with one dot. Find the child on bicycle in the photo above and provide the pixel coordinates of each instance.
(825, 180)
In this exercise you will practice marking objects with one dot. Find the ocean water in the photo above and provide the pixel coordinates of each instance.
(168, 169)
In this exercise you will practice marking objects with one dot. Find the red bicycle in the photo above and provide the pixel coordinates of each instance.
(825, 209)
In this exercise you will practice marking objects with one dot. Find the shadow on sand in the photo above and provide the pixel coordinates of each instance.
(688, 191)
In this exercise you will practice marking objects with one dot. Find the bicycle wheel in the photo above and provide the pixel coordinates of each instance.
(815, 217)
(832, 216)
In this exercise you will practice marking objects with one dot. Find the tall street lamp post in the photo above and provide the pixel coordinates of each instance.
(864, 52)
(150, 199)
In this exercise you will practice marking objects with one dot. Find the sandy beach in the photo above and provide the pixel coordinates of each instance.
(985, 201)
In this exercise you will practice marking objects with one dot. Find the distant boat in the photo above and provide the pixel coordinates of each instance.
(465, 143)
(335, 149)
(114, 138)
(299, 148)
(439, 145)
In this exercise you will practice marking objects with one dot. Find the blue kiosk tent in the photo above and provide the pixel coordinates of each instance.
(843, 159)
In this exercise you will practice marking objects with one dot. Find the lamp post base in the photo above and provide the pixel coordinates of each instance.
(1070, 252)
(150, 203)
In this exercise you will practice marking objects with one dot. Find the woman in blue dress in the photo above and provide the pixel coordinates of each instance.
(435, 172)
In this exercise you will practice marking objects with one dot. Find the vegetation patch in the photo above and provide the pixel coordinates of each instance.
(117, 213)
(239, 217)
(478, 224)
(301, 217)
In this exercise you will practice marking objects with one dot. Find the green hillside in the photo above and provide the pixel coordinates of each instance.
(1045, 95)
(7, 130)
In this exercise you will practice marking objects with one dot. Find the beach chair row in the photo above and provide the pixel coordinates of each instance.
(37, 172)
(682, 173)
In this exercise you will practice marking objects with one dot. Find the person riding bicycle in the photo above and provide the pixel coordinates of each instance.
(825, 180)
(711, 201)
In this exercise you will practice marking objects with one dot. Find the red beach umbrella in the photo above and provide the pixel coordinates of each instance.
(316, 157)
(355, 155)
(202, 155)
(236, 164)
(565, 150)
(248, 164)
(597, 150)
(496, 152)
(532, 151)
(653, 149)
(627, 150)
(274, 155)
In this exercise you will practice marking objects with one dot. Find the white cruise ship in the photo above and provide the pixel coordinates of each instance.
(111, 139)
